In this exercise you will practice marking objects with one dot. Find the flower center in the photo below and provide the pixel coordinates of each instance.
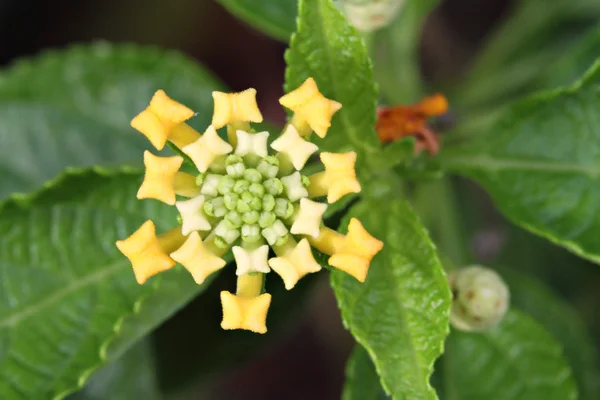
(251, 200)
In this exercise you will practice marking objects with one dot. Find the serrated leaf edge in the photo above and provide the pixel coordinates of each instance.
(429, 368)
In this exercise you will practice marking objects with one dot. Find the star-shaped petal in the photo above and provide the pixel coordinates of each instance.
(294, 188)
(159, 178)
(249, 261)
(192, 215)
(295, 264)
(143, 249)
(310, 107)
(251, 143)
(356, 252)
(293, 146)
(249, 313)
(197, 258)
(338, 179)
(157, 121)
(206, 149)
(231, 108)
(309, 218)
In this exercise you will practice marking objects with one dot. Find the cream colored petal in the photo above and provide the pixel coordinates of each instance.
(206, 149)
(297, 149)
(309, 218)
(210, 185)
(251, 143)
(249, 261)
(197, 259)
(295, 264)
(192, 215)
(294, 188)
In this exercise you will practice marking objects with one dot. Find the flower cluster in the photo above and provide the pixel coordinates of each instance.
(248, 196)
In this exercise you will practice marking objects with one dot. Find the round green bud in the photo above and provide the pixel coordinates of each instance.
(256, 204)
(480, 298)
(252, 175)
(268, 202)
(209, 209)
(230, 200)
(268, 167)
(251, 217)
(218, 206)
(242, 207)
(283, 208)
(225, 184)
(266, 219)
(273, 186)
(234, 219)
(241, 186)
(247, 197)
(257, 189)
(234, 165)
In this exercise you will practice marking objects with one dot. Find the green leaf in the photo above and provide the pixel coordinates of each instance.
(73, 108)
(69, 301)
(523, 46)
(576, 62)
(563, 323)
(400, 313)
(328, 49)
(516, 360)
(540, 164)
(131, 376)
(396, 53)
(275, 18)
(362, 381)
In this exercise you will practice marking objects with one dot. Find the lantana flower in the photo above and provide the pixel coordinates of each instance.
(248, 197)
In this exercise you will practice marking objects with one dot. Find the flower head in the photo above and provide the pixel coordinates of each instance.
(247, 197)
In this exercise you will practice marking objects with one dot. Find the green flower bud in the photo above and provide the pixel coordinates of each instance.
(268, 167)
(234, 219)
(247, 197)
(266, 219)
(268, 202)
(283, 208)
(273, 186)
(252, 175)
(234, 165)
(226, 232)
(274, 232)
(230, 200)
(225, 184)
(241, 186)
(257, 189)
(242, 207)
(480, 298)
(251, 217)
